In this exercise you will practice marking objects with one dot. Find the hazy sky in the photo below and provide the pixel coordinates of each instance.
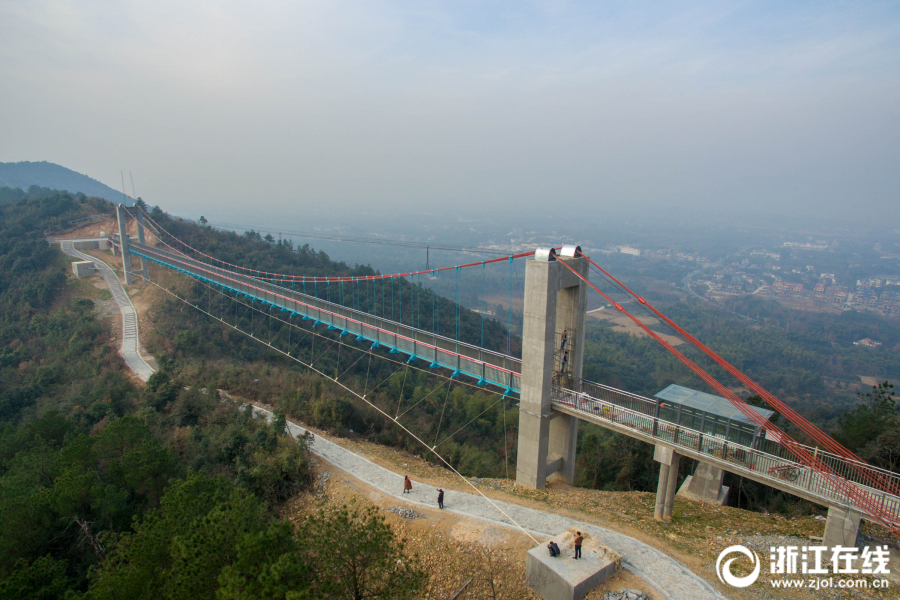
(279, 108)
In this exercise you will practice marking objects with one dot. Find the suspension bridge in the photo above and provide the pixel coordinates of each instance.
(546, 378)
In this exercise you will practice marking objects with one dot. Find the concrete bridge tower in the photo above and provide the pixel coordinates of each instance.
(555, 302)
(121, 218)
(139, 219)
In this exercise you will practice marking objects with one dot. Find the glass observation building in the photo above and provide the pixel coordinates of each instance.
(709, 414)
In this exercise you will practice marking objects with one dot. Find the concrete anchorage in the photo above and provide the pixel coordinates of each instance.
(123, 242)
(555, 300)
(705, 485)
(841, 527)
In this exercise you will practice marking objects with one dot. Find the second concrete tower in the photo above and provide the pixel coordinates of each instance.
(555, 302)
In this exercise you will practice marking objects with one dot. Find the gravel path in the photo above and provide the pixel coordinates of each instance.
(130, 341)
(670, 578)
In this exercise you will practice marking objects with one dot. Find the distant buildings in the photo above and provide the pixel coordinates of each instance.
(803, 246)
(630, 250)
(867, 343)
(791, 289)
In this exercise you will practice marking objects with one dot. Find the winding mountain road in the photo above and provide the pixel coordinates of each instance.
(130, 348)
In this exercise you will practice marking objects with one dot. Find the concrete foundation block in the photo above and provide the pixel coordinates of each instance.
(560, 577)
(83, 268)
(705, 485)
(841, 528)
(86, 245)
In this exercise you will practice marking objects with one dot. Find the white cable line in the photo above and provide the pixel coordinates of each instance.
(395, 421)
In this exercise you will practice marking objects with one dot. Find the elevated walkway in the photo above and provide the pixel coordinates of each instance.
(485, 366)
(632, 415)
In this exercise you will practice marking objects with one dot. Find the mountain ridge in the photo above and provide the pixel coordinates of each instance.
(50, 175)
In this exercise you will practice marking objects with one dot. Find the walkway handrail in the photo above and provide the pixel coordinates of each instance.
(487, 366)
(742, 457)
(771, 447)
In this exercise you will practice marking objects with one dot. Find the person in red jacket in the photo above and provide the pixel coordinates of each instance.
(407, 484)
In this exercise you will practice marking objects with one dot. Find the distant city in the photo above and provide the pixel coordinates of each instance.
(793, 273)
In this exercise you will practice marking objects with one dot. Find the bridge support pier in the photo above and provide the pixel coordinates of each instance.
(139, 219)
(705, 485)
(669, 461)
(555, 299)
(841, 527)
(123, 243)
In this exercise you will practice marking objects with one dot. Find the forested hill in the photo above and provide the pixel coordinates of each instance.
(109, 490)
(49, 175)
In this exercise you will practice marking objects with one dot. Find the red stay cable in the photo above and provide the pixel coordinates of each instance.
(792, 416)
(872, 508)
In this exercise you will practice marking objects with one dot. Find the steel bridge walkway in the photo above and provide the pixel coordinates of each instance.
(607, 407)
(633, 416)
(485, 366)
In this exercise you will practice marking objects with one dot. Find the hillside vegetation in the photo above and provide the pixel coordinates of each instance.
(109, 490)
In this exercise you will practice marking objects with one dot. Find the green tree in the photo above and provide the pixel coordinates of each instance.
(143, 563)
(44, 579)
(358, 557)
(875, 415)
(270, 565)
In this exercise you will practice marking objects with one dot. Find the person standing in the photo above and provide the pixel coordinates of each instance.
(407, 484)
(583, 400)
(578, 540)
(440, 498)
(565, 360)
(565, 336)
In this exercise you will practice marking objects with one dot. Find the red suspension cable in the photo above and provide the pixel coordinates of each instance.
(872, 508)
(300, 278)
(808, 428)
